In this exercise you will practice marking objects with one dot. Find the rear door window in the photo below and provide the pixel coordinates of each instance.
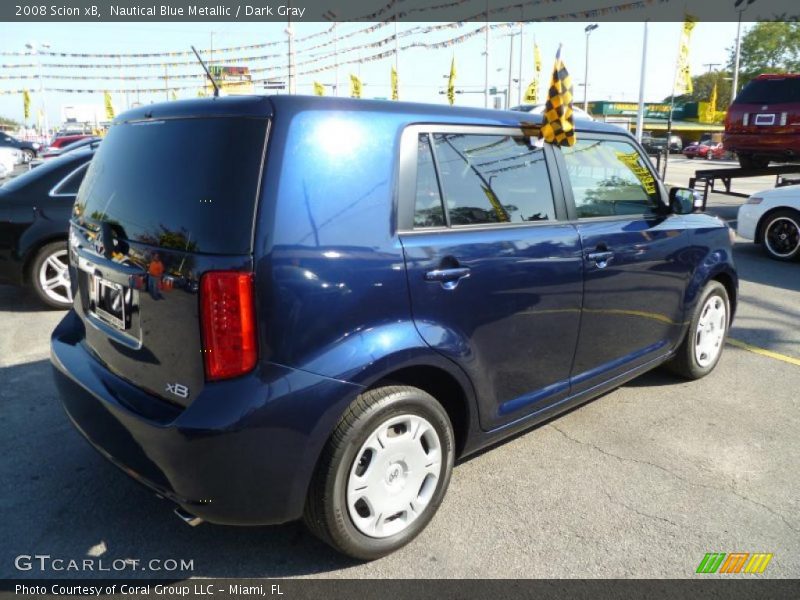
(770, 91)
(485, 179)
(610, 178)
(186, 183)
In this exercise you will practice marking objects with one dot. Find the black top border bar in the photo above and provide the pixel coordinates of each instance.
(42, 11)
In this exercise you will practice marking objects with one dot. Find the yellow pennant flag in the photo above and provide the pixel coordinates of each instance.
(532, 93)
(683, 76)
(109, 106)
(201, 93)
(451, 83)
(355, 87)
(395, 92)
(173, 95)
(559, 124)
(26, 104)
(319, 89)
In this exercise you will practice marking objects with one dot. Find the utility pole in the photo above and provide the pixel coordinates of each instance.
(588, 30)
(290, 34)
(709, 65)
(521, 46)
(486, 64)
(510, 66)
(640, 110)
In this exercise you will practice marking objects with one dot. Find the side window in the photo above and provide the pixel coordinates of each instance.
(493, 179)
(70, 184)
(428, 210)
(610, 178)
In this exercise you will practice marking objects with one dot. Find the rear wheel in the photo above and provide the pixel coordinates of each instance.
(748, 161)
(701, 349)
(383, 472)
(781, 235)
(29, 154)
(49, 275)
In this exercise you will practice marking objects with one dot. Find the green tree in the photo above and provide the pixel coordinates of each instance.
(768, 47)
(703, 84)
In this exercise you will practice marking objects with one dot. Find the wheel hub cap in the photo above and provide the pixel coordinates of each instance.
(710, 332)
(394, 476)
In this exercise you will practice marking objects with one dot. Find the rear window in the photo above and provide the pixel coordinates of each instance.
(770, 91)
(188, 184)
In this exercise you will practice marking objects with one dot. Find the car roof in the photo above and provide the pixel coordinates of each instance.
(267, 106)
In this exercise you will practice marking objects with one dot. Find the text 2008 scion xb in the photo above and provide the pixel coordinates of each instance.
(309, 307)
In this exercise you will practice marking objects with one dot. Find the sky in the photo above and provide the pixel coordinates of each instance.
(615, 53)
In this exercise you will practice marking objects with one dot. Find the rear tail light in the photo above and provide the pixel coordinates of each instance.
(228, 322)
(746, 119)
(783, 118)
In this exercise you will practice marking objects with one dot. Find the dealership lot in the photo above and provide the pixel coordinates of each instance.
(641, 482)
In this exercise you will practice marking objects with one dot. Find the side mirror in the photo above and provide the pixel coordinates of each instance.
(684, 201)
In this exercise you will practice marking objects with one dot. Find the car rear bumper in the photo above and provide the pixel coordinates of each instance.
(242, 453)
(763, 144)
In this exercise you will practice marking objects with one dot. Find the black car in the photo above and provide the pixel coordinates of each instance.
(34, 222)
(29, 149)
(652, 144)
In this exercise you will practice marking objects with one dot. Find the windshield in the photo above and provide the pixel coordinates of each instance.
(770, 91)
(187, 183)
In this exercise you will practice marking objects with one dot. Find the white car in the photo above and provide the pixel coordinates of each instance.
(9, 158)
(772, 218)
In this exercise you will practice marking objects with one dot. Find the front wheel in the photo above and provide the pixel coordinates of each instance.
(781, 238)
(701, 349)
(383, 472)
(29, 154)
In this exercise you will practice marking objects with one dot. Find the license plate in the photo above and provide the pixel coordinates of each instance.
(765, 119)
(110, 302)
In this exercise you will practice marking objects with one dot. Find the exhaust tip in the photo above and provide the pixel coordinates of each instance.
(188, 517)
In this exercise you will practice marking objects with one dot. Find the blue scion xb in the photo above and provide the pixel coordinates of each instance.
(297, 307)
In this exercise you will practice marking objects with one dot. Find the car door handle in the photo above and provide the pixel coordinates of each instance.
(601, 258)
(449, 278)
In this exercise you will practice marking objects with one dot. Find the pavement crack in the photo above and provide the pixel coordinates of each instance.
(729, 488)
(637, 511)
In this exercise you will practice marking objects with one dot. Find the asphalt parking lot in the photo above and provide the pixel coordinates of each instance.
(641, 482)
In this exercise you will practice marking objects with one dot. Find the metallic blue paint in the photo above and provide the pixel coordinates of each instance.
(343, 302)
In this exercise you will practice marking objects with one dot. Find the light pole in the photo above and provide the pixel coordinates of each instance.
(35, 51)
(332, 16)
(589, 29)
(737, 52)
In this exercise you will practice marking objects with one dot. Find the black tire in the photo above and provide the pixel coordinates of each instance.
(42, 255)
(690, 157)
(685, 362)
(748, 161)
(326, 512)
(29, 154)
(784, 222)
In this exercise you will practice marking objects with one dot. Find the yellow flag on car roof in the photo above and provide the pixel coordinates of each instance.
(451, 83)
(559, 125)
(319, 89)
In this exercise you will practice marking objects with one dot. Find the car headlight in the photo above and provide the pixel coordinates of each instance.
(754, 200)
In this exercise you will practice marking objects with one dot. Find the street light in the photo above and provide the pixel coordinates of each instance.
(589, 29)
(35, 51)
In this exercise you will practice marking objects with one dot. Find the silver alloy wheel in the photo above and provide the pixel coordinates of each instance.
(782, 237)
(394, 476)
(710, 331)
(54, 277)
